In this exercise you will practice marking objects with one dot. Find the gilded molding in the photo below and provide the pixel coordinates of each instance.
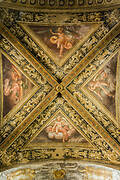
(80, 5)
(59, 88)
(87, 116)
(110, 20)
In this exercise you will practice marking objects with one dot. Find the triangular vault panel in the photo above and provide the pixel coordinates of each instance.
(103, 86)
(57, 131)
(60, 42)
(16, 86)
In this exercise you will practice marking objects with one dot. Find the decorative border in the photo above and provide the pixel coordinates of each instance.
(105, 47)
(32, 116)
(104, 151)
(109, 18)
(118, 91)
(83, 77)
(84, 5)
(1, 89)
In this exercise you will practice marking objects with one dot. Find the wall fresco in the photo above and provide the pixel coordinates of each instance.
(15, 85)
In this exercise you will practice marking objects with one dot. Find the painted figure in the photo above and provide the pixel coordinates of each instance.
(13, 86)
(61, 40)
(60, 130)
(102, 84)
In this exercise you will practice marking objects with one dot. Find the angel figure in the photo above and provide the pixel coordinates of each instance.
(102, 83)
(60, 130)
(61, 40)
(13, 86)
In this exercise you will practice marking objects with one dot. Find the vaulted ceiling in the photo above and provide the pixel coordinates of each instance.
(60, 81)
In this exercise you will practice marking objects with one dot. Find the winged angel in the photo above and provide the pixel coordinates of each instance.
(103, 84)
(60, 130)
(63, 37)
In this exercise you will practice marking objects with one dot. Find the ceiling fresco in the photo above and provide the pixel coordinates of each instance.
(60, 84)
(103, 85)
(59, 129)
(15, 85)
(60, 42)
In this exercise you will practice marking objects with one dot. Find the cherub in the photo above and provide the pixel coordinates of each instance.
(60, 130)
(61, 40)
(61, 127)
(57, 125)
(101, 83)
(13, 85)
